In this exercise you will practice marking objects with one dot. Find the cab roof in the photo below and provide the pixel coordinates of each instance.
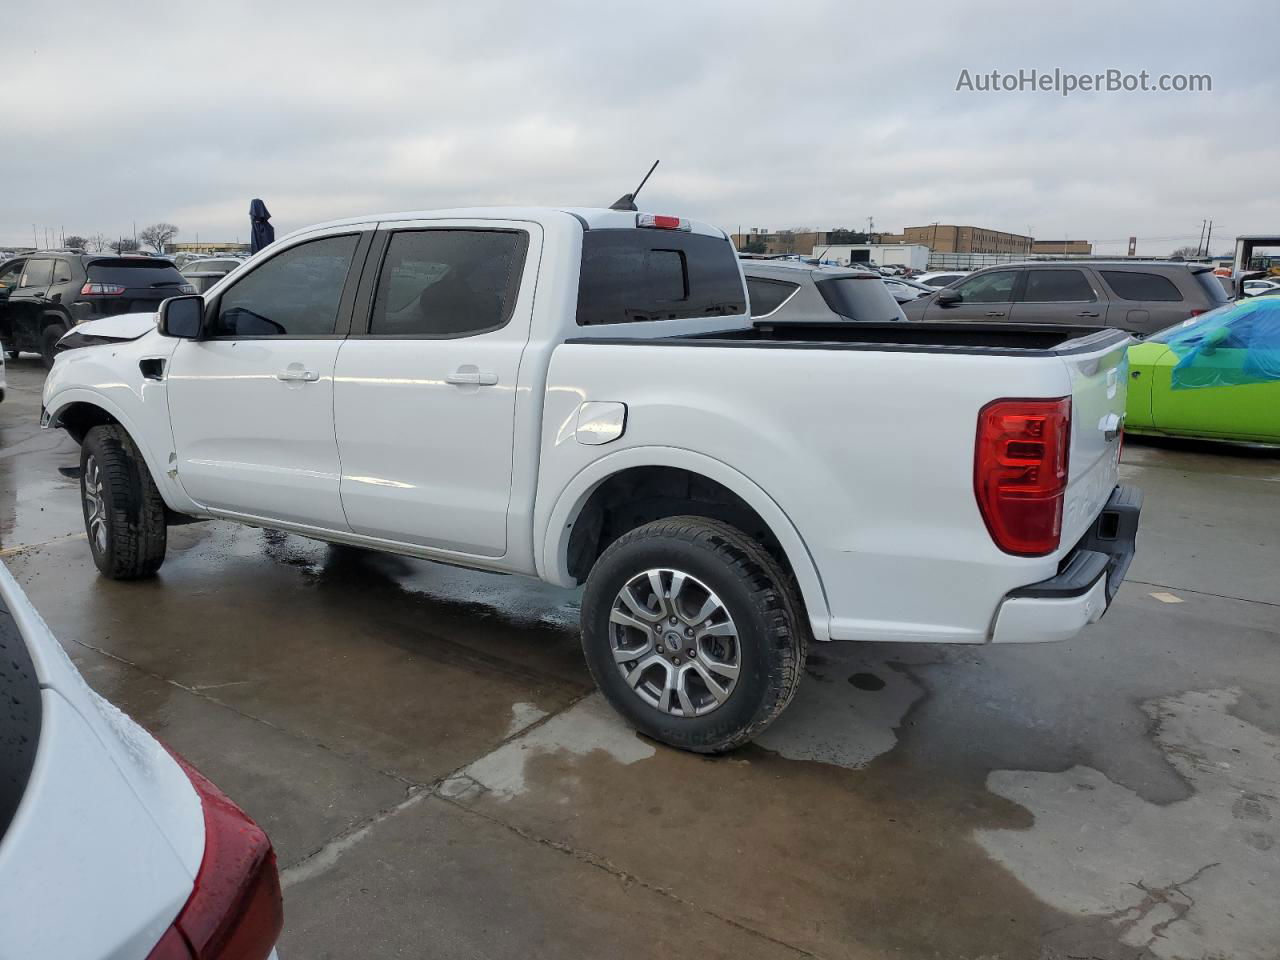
(591, 218)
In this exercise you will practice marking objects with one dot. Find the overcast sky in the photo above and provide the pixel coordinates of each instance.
(771, 115)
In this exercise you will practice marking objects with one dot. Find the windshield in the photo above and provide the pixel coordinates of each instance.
(860, 298)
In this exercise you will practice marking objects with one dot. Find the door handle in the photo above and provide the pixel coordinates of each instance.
(298, 374)
(473, 378)
(1088, 313)
(995, 313)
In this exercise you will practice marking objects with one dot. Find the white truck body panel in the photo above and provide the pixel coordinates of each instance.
(859, 460)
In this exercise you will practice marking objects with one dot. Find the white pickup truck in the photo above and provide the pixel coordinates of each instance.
(580, 395)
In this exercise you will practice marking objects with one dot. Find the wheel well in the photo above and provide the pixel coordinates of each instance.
(631, 498)
(49, 319)
(79, 418)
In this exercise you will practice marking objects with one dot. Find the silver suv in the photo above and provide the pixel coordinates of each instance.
(1139, 296)
(792, 290)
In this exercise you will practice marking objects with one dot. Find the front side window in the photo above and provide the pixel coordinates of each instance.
(10, 275)
(296, 293)
(38, 273)
(989, 287)
(1141, 286)
(448, 283)
(768, 295)
(1057, 286)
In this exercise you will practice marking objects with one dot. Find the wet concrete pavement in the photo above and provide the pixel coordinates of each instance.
(423, 745)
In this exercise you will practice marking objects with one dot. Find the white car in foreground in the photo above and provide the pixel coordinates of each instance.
(726, 488)
(111, 847)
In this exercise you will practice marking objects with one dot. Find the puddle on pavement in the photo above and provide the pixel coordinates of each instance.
(1192, 878)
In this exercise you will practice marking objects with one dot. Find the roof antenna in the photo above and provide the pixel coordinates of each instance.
(628, 200)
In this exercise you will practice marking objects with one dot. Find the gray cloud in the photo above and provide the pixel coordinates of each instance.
(764, 114)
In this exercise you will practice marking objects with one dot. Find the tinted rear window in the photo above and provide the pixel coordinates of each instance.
(1215, 291)
(1057, 286)
(768, 295)
(1142, 286)
(860, 298)
(134, 273)
(635, 275)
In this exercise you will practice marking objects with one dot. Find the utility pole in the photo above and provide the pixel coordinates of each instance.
(1207, 237)
(35, 238)
(1200, 242)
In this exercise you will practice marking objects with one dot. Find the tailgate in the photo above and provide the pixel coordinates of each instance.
(1099, 381)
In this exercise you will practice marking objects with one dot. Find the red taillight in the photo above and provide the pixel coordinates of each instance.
(234, 911)
(659, 221)
(102, 289)
(1195, 313)
(1020, 472)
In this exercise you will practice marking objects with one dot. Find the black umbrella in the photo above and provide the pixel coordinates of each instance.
(263, 232)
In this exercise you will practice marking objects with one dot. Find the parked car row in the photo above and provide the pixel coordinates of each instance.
(43, 295)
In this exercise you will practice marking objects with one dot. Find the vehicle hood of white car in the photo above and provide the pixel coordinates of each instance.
(100, 782)
(124, 326)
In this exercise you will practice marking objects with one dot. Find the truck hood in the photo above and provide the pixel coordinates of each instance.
(124, 326)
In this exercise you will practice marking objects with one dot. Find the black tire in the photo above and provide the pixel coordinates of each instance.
(754, 592)
(130, 541)
(49, 338)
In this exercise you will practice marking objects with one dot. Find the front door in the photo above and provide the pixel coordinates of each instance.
(425, 388)
(984, 296)
(26, 302)
(251, 403)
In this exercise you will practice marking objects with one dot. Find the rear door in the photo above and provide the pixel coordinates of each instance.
(251, 404)
(1059, 295)
(984, 296)
(425, 387)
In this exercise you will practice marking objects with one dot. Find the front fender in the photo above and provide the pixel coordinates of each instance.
(108, 377)
(554, 523)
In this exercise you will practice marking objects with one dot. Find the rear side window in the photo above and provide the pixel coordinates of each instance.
(1057, 286)
(135, 273)
(860, 298)
(448, 283)
(630, 276)
(1214, 291)
(767, 296)
(296, 293)
(61, 271)
(1142, 286)
(38, 273)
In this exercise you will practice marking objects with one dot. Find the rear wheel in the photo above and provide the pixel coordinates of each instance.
(124, 515)
(49, 338)
(693, 633)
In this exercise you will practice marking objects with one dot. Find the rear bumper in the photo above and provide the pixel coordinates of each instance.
(1085, 584)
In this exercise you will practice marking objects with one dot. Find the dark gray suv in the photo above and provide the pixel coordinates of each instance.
(1139, 296)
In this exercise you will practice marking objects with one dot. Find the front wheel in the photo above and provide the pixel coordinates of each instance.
(124, 515)
(693, 633)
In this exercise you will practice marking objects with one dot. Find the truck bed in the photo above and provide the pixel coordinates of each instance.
(962, 338)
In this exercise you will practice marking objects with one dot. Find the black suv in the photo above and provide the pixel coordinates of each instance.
(45, 294)
(1140, 296)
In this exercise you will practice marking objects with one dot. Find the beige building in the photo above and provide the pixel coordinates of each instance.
(207, 246)
(954, 238)
(1062, 247)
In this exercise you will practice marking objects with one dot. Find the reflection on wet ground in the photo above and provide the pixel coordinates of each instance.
(425, 748)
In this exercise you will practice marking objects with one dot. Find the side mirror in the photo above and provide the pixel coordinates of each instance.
(1214, 340)
(182, 317)
(948, 296)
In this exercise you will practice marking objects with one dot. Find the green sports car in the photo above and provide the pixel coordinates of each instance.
(1216, 375)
